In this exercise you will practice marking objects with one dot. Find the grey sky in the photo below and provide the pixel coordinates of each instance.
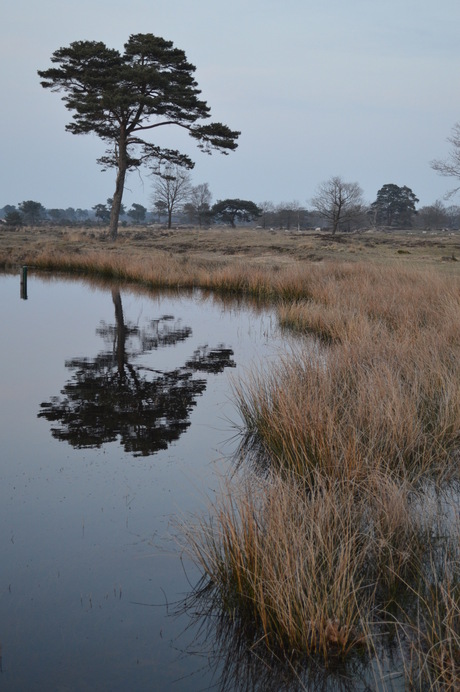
(364, 89)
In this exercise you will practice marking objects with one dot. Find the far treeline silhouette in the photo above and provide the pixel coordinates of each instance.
(337, 206)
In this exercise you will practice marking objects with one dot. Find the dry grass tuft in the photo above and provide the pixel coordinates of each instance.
(276, 559)
(310, 568)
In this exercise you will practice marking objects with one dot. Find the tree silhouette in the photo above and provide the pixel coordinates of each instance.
(112, 397)
(394, 206)
(232, 210)
(122, 97)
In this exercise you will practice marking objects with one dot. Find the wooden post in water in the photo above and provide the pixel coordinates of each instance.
(24, 282)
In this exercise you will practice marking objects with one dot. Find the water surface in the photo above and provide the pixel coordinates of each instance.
(116, 415)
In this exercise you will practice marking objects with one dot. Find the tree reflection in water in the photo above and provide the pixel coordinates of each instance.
(111, 396)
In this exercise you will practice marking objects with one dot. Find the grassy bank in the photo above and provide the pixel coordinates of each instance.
(348, 539)
(345, 532)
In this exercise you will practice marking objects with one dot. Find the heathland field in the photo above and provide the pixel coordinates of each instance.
(223, 246)
(341, 541)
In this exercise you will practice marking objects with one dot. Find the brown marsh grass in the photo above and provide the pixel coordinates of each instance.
(385, 391)
(265, 247)
(301, 588)
(312, 572)
(393, 407)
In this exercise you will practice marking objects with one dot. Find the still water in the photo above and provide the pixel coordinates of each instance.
(116, 416)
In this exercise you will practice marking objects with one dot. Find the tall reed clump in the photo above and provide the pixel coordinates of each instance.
(311, 570)
(153, 269)
(300, 588)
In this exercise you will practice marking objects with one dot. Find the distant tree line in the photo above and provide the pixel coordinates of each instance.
(337, 206)
(32, 213)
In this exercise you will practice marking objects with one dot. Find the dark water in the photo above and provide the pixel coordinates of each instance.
(116, 416)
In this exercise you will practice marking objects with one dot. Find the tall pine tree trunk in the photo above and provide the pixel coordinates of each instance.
(119, 187)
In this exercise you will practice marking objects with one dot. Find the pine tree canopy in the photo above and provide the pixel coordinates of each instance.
(122, 96)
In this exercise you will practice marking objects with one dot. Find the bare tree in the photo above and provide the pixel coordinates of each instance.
(453, 214)
(433, 216)
(290, 215)
(338, 202)
(198, 206)
(171, 188)
(267, 214)
(450, 168)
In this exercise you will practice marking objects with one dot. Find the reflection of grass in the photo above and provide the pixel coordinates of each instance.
(332, 542)
(431, 623)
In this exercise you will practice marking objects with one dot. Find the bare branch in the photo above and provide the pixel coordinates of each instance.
(450, 168)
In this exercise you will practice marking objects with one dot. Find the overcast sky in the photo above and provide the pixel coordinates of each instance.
(365, 89)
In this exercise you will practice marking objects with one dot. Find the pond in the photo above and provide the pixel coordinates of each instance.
(116, 416)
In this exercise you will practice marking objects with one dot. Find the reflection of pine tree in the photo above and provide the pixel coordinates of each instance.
(210, 360)
(111, 397)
